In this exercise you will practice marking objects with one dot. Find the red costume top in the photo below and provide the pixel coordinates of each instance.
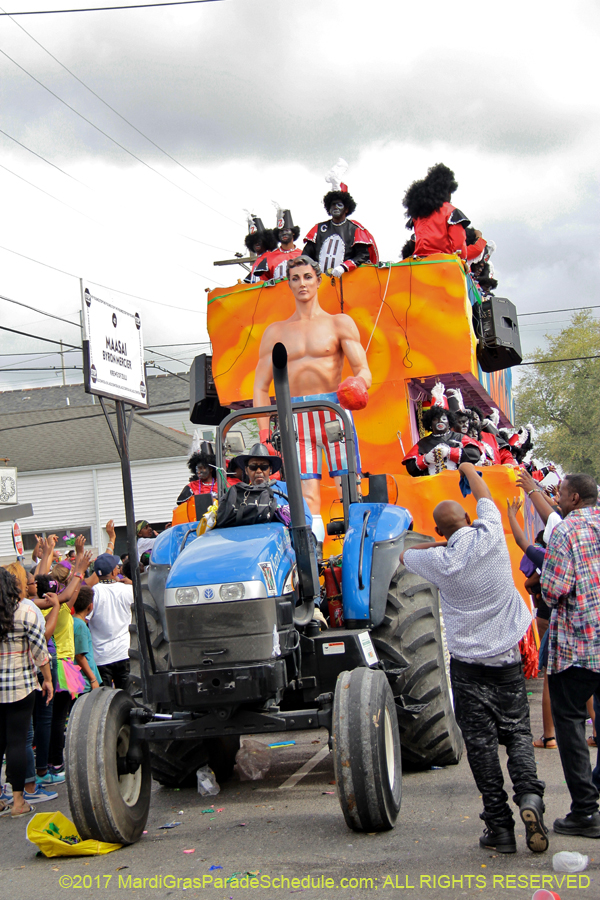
(501, 455)
(252, 278)
(462, 449)
(475, 251)
(274, 263)
(441, 232)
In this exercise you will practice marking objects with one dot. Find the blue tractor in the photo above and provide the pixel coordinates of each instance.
(229, 646)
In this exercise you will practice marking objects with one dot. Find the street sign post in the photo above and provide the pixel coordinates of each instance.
(113, 368)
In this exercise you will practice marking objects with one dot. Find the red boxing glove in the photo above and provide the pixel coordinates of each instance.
(264, 436)
(352, 393)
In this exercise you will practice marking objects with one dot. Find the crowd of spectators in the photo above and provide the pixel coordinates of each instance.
(64, 631)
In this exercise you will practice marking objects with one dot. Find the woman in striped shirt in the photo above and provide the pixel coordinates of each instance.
(22, 648)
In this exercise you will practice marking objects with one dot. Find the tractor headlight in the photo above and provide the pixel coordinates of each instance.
(235, 591)
(186, 595)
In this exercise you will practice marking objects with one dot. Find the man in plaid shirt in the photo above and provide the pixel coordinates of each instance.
(570, 583)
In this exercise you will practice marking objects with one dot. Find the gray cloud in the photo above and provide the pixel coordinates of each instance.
(255, 82)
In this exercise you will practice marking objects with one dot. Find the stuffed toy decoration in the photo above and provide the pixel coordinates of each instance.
(438, 225)
(341, 244)
(352, 393)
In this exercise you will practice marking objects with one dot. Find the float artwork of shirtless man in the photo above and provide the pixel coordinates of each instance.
(316, 344)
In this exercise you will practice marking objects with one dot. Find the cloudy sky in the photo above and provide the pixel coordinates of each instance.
(243, 102)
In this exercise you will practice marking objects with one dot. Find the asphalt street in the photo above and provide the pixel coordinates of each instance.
(290, 832)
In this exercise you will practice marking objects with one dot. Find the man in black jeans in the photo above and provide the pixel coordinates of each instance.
(485, 618)
(569, 582)
(109, 622)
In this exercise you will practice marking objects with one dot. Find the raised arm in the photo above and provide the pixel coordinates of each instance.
(535, 494)
(45, 563)
(478, 486)
(518, 533)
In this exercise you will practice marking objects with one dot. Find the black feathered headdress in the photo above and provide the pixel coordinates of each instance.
(424, 197)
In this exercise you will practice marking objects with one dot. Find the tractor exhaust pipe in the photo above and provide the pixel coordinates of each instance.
(302, 539)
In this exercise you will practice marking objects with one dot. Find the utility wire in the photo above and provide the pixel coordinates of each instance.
(50, 315)
(49, 12)
(541, 362)
(88, 281)
(547, 312)
(43, 158)
(37, 337)
(117, 113)
(106, 135)
(68, 205)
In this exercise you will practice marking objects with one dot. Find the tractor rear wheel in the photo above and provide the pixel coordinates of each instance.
(366, 750)
(108, 803)
(410, 643)
(159, 645)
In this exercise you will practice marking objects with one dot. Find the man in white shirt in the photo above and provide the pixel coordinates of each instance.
(110, 621)
(485, 618)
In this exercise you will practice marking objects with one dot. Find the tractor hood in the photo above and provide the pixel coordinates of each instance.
(250, 553)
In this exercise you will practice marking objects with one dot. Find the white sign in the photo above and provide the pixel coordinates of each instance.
(8, 485)
(115, 356)
(17, 539)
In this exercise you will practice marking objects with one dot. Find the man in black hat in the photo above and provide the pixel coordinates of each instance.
(340, 244)
(274, 263)
(259, 240)
(259, 466)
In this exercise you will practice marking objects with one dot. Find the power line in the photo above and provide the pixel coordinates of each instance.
(31, 184)
(541, 362)
(117, 113)
(49, 12)
(37, 337)
(546, 312)
(106, 287)
(43, 158)
(50, 315)
(106, 135)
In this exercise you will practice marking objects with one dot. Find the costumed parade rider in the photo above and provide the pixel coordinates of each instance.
(259, 240)
(340, 244)
(439, 226)
(497, 447)
(273, 265)
(259, 466)
(202, 464)
(445, 447)
(317, 345)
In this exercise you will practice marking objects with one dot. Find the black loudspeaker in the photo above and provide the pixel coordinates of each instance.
(205, 408)
(498, 332)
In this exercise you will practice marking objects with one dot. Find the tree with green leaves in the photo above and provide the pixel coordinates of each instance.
(562, 399)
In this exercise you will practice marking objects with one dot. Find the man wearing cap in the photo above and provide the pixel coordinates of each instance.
(110, 621)
(274, 264)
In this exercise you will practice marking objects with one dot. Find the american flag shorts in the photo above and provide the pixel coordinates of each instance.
(312, 440)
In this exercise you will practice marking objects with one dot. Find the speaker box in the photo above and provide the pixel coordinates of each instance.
(205, 408)
(498, 332)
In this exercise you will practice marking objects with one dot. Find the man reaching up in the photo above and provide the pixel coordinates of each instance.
(485, 619)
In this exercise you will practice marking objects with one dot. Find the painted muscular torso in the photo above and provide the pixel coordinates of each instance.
(315, 353)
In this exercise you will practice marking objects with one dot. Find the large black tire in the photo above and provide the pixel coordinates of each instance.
(159, 645)
(174, 763)
(409, 642)
(104, 805)
(366, 750)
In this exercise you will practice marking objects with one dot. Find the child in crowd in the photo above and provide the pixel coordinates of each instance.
(84, 651)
